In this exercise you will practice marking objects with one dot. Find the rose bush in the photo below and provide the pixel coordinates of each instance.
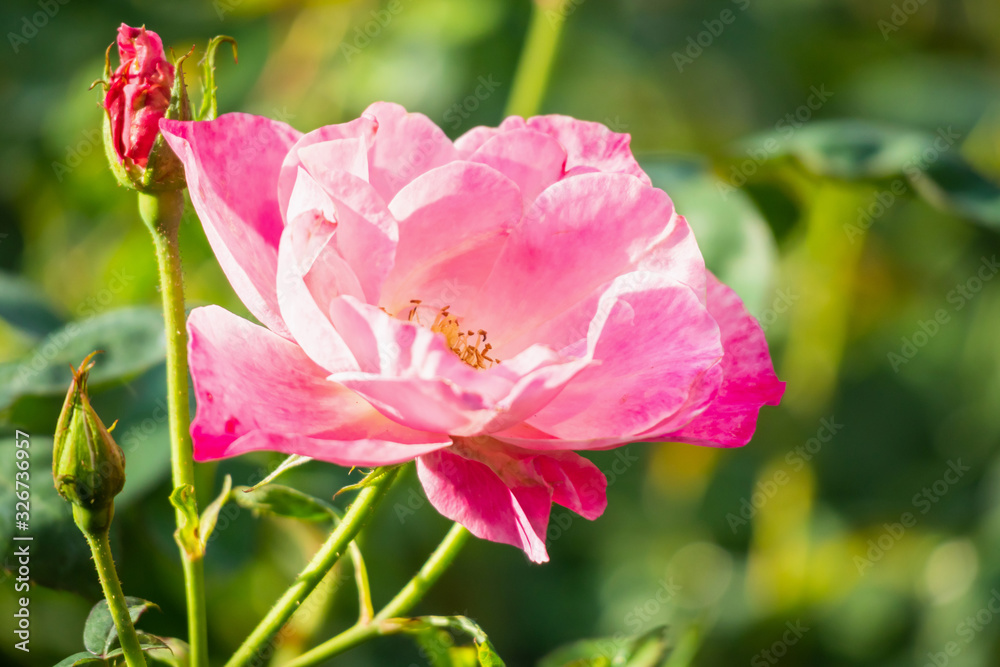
(484, 306)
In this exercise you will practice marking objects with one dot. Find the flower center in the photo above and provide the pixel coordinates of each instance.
(470, 346)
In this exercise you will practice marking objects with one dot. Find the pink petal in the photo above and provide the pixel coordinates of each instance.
(366, 232)
(675, 254)
(580, 234)
(452, 223)
(590, 144)
(408, 372)
(531, 159)
(311, 273)
(748, 382)
(504, 494)
(653, 345)
(538, 376)
(347, 453)
(405, 146)
(232, 165)
(341, 158)
(411, 375)
(257, 390)
(469, 143)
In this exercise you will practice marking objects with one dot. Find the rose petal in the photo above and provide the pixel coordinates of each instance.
(748, 381)
(232, 165)
(366, 234)
(505, 495)
(590, 144)
(253, 386)
(533, 160)
(344, 159)
(580, 234)
(405, 146)
(409, 373)
(439, 261)
(653, 343)
(311, 273)
(469, 143)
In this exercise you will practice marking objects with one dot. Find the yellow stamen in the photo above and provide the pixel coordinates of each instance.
(470, 346)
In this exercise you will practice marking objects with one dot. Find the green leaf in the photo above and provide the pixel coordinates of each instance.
(99, 632)
(25, 307)
(436, 645)
(80, 659)
(147, 642)
(283, 501)
(488, 655)
(733, 236)
(211, 514)
(433, 634)
(186, 535)
(174, 652)
(952, 184)
(651, 649)
(932, 164)
(463, 656)
(844, 149)
(292, 461)
(132, 341)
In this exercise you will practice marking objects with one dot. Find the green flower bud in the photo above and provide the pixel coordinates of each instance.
(88, 466)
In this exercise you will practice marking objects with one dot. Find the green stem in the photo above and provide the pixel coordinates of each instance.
(365, 610)
(357, 515)
(537, 56)
(162, 214)
(410, 595)
(105, 563)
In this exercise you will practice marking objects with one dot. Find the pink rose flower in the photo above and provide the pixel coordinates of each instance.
(138, 94)
(485, 307)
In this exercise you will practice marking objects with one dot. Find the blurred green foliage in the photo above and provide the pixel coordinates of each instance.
(861, 527)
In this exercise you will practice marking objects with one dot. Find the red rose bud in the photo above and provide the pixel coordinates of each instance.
(138, 94)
